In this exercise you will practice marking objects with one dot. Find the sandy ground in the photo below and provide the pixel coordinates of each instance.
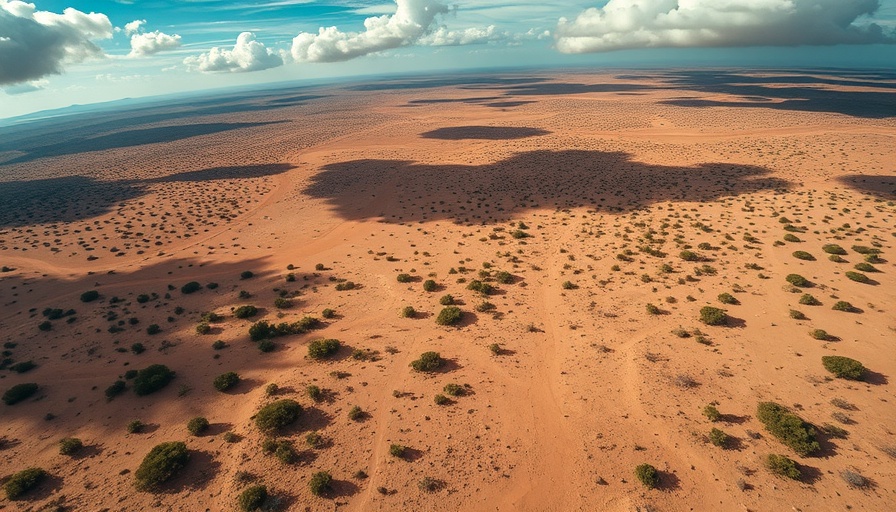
(609, 177)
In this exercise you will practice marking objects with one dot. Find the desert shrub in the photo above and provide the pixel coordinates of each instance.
(834, 431)
(19, 392)
(277, 415)
(286, 452)
(789, 428)
(481, 287)
(266, 346)
(356, 413)
(252, 498)
(153, 329)
(314, 393)
(226, 381)
(833, 249)
(403, 278)
(218, 345)
(504, 277)
(212, 286)
(135, 427)
(718, 438)
(842, 305)
(247, 274)
(263, 329)
(797, 280)
(485, 306)
(430, 286)
(320, 483)
(70, 445)
(408, 312)
(688, 256)
(449, 315)
(314, 440)
(190, 287)
(428, 362)
(820, 334)
(282, 303)
(873, 258)
(397, 450)
(853, 478)
(203, 328)
(711, 413)
(568, 285)
(858, 277)
(22, 367)
(789, 237)
(152, 378)
(328, 313)
(160, 464)
(346, 286)
(803, 255)
(441, 400)
(197, 425)
(727, 298)
(808, 300)
(23, 481)
(138, 348)
(647, 475)
(46, 325)
(115, 389)
(861, 249)
(90, 296)
(245, 311)
(446, 300)
(322, 349)
(453, 389)
(713, 316)
(652, 309)
(836, 258)
(843, 367)
(782, 466)
(142, 298)
(865, 267)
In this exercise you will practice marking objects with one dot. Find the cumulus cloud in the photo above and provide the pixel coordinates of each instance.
(247, 55)
(412, 19)
(624, 24)
(39, 43)
(149, 43)
(444, 37)
(133, 27)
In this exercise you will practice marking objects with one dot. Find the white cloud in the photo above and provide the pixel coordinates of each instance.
(412, 19)
(133, 27)
(444, 37)
(39, 43)
(624, 24)
(150, 43)
(246, 55)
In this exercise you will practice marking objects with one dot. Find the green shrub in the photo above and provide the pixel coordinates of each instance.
(356, 413)
(808, 300)
(263, 329)
(836, 258)
(320, 483)
(115, 389)
(833, 249)
(857, 277)
(252, 498)
(727, 298)
(403, 278)
(218, 345)
(782, 466)
(789, 428)
(46, 325)
(718, 438)
(197, 425)
(803, 255)
(153, 329)
(865, 267)
(190, 287)
(397, 450)
(568, 285)
(90, 296)
(485, 306)
(23, 481)
(504, 277)
(135, 427)
(203, 328)
(226, 381)
(446, 300)
(346, 286)
(19, 392)
(428, 362)
(314, 440)
(713, 316)
(160, 464)
(152, 378)
(441, 400)
(408, 312)
(820, 334)
(245, 311)
(842, 305)
(481, 287)
(430, 286)
(688, 256)
(70, 445)
(797, 315)
(453, 389)
(789, 237)
(647, 475)
(286, 452)
(328, 313)
(861, 249)
(449, 315)
(138, 348)
(797, 280)
(23, 367)
(652, 309)
(322, 349)
(277, 415)
(843, 367)
(711, 413)
(247, 274)
(314, 393)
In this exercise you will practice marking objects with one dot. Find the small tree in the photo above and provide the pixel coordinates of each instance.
(19, 392)
(152, 378)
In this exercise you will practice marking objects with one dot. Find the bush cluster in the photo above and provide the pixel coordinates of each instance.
(226, 381)
(428, 362)
(782, 466)
(263, 329)
(160, 464)
(23, 481)
(713, 316)
(843, 367)
(19, 392)
(252, 498)
(277, 415)
(322, 349)
(789, 428)
(152, 378)
(449, 315)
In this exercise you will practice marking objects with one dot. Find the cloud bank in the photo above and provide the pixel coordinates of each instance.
(36, 43)
(412, 20)
(626, 24)
(444, 37)
(246, 55)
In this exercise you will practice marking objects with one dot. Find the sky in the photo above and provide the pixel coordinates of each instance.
(55, 53)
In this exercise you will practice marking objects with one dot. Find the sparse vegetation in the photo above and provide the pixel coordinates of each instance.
(323, 348)
(711, 413)
(449, 315)
(857, 277)
(718, 438)
(22, 482)
(713, 316)
(803, 255)
(70, 445)
(428, 362)
(727, 298)
(252, 498)
(842, 305)
(782, 466)
(797, 280)
(320, 483)
(246, 311)
(90, 296)
(833, 249)
(190, 287)
(808, 300)
(160, 464)
(843, 367)
(408, 312)
(789, 428)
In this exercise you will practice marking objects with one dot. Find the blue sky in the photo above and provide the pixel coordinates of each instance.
(55, 53)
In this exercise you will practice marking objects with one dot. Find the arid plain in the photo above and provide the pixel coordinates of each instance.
(600, 211)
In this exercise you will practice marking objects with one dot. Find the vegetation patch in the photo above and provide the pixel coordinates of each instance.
(323, 349)
(789, 428)
(160, 465)
(713, 316)
(782, 466)
(449, 315)
(797, 280)
(277, 415)
(647, 475)
(428, 362)
(152, 378)
(252, 498)
(19, 392)
(23, 481)
(843, 367)
(226, 381)
(858, 277)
